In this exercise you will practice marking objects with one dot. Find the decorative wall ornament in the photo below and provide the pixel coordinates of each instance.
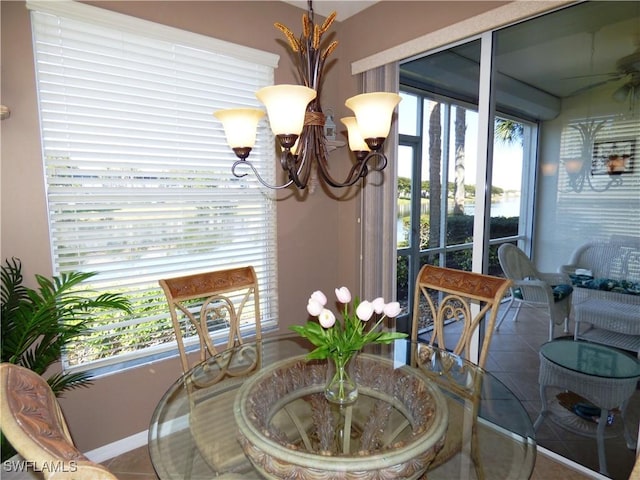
(591, 160)
(613, 157)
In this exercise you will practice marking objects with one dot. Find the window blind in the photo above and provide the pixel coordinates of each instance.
(138, 172)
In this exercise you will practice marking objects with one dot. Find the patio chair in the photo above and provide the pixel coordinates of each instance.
(31, 419)
(203, 303)
(550, 292)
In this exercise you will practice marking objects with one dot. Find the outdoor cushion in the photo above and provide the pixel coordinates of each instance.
(560, 292)
(606, 284)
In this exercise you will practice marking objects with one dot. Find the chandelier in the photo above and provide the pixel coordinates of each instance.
(297, 120)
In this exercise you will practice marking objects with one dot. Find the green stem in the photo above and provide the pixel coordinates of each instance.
(340, 374)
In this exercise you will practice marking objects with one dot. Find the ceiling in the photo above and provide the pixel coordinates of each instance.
(553, 56)
(573, 49)
(557, 55)
(344, 9)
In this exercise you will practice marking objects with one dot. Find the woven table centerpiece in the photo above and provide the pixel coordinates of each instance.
(288, 429)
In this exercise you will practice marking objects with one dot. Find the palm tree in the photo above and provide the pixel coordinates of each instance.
(460, 130)
(435, 185)
(508, 131)
(38, 324)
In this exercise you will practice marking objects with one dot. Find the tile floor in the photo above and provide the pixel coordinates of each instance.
(514, 360)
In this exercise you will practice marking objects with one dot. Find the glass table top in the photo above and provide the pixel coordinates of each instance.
(195, 429)
(591, 359)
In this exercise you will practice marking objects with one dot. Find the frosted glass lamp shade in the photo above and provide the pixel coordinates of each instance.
(286, 106)
(573, 165)
(356, 142)
(373, 112)
(240, 125)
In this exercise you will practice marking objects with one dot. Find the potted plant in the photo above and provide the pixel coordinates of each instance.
(38, 324)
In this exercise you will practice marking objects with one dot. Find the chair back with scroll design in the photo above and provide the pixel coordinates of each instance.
(201, 303)
(445, 296)
(31, 419)
(450, 296)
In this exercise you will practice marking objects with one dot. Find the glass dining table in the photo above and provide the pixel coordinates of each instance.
(257, 411)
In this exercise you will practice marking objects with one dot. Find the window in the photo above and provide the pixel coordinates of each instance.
(138, 172)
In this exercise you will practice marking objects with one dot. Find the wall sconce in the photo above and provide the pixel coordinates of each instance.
(549, 169)
(573, 165)
(579, 169)
(295, 115)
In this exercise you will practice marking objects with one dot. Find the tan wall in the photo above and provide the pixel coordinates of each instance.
(318, 236)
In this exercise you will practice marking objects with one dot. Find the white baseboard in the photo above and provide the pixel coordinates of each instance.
(571, 464)
(98, 455)
(119, 447)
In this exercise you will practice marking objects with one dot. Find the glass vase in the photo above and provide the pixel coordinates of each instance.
(341, 388)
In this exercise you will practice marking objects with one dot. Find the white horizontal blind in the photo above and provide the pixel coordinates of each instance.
(605, 205)
(138, 172)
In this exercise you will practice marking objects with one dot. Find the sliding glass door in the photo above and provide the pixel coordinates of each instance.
(457, 199)
(537, 117)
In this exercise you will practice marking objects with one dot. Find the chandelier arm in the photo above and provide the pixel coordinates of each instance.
(583, 179)
(310, 146)
(295, 168)
(613, 181)
(312, 154)
(260, 179)
(358, 171)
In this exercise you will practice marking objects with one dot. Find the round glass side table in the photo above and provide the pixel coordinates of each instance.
(604, 376)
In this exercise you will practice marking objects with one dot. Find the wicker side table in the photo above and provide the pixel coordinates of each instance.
(605, 376)
(609, 323)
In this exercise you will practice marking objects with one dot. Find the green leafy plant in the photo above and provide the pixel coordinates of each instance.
(37, 324)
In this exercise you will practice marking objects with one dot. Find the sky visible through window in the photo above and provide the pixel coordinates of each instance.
(507, 170)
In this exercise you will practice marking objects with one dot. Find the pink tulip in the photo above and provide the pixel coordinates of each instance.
(378, 305)
(314, 307)
(343, 295)
(364, 311)
(326, 318)
(392, 309)
(319, 297)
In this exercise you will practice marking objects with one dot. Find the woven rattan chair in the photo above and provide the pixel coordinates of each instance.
(549, 292)
(448, 296)
(31, 419)
(201, 303)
